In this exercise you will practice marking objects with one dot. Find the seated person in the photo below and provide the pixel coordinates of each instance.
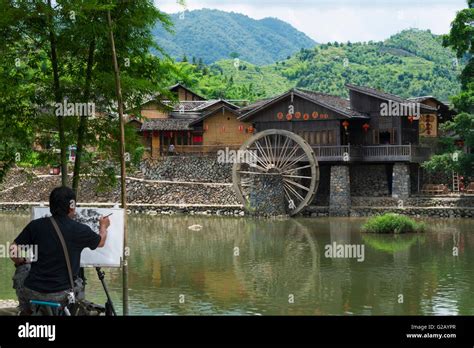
(47, 278)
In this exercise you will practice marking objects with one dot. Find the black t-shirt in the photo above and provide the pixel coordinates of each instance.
(49, 273)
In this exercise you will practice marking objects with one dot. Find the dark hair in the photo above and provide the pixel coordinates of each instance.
(60, 201)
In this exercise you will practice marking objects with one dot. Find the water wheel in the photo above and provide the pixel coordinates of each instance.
(281, 153)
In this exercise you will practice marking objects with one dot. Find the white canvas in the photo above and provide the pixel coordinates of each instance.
(111, 254)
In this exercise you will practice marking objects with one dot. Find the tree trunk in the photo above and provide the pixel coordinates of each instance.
(57, 97)
(81, 131)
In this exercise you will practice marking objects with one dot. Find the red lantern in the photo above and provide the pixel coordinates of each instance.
(366, 127)
(280, 115)
(223, 129)
(298, 115)
(345, 124)
(289, 117)
(315, 115)
(250, 129)
(410, 119)
(306, 117)
(241, 128)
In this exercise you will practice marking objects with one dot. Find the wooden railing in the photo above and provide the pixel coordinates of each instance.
(343, 153)
(332, 153)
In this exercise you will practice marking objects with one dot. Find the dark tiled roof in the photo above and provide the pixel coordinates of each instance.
(167, 124)
(254, 105)
(340, 104)
(385, 96)
(336, 104)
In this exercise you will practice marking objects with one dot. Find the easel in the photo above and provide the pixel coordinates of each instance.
(109, 306)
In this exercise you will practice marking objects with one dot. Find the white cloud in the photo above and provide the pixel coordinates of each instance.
(340, 20)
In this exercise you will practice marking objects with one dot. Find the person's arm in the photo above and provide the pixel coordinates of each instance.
(24, 238)
(18, 261)
(104, 223)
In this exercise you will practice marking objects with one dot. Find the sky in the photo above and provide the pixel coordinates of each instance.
(339, 20)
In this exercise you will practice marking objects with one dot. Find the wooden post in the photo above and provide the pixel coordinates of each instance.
(123, 173)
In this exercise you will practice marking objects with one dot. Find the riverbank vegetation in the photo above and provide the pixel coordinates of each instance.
(393, 223)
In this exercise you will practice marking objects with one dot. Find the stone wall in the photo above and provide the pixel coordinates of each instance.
(187, 168)
(139, 191)
(340, 191)
(401, 181)
(370, 180)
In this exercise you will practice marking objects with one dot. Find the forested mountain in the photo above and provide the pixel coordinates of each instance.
(212, 35)
(411, 63)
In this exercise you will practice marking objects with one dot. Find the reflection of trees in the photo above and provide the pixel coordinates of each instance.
(392, 244)
(278, 258)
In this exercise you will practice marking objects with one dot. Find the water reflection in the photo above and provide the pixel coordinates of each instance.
(251, 266)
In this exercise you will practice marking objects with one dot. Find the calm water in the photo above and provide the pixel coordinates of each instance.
(282, 258)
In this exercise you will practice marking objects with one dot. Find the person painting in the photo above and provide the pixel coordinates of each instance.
(47, 279)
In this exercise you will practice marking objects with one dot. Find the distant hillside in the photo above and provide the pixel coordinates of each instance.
(411, 63)
(213, 35)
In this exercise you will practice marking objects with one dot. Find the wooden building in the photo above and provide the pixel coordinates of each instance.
(369, 144)
(192, 124)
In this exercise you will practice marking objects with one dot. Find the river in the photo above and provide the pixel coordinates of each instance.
(243, 266)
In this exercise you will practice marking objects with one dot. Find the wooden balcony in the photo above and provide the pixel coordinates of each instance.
(375, 153)
(343, 153)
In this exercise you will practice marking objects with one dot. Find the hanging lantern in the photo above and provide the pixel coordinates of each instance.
(345, 124)
(410, 119)
(206, 127)
(306, 117)
(280, 116)
(223, 129)
(366, 127)
(289, 117)
(241, 128)
(315, 115)
(298, 115)
(250, 129)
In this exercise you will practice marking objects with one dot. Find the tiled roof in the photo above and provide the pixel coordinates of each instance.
(385, 96)
(336, 104)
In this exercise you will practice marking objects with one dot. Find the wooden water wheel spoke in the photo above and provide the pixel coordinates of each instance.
(290, 156)
(263, 154)
(292, 170)
(282, 151)
(294, 162)
(278, 153)
(296, 184)
(300, 197)
(297, 176)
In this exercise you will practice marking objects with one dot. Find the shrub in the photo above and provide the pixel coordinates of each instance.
(393, 223)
